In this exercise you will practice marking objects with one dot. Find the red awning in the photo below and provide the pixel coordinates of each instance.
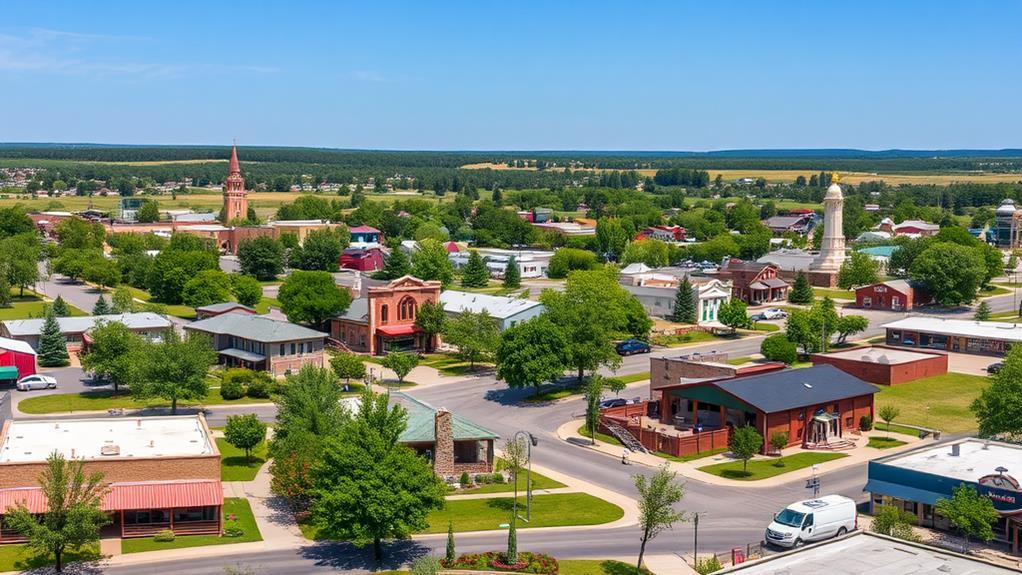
(163, 495)
(30, 497)
(123, 496)
(393, 330)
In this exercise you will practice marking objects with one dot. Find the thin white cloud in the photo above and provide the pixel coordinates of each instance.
(43, 50)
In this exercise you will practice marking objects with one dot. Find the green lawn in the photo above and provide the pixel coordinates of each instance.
(885, 442)
(684, 339)
(555, 510)
(266, 303)
(449, 365)
(234, 466)
(538, 482)
(633, 377)
(19, 557)
(561, 392)
(597, 567)
(237, 506)
(584, 432)
(177, 310)
(692, 457)
(764, 468)
(833, 293)
(940, 401)
(768, 327)
(29, 306)
(895, 428)
(993, 290)
(103, 400)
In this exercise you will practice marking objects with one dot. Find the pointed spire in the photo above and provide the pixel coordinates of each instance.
(235, 167)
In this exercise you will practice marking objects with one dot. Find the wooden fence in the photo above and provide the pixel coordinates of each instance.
(630, 418)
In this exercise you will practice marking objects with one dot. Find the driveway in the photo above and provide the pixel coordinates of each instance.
(969, 363)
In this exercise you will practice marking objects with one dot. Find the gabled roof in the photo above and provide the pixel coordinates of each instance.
(81, 324)
(254, 327)
(16, 345)
(363, 230)
(793, 388)
(225, 306)
(498, 307)
(358, 311)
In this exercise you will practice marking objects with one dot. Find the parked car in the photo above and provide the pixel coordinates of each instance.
(614, 402)
(30, 382)
(813, 520)
(995, 367)
(774, 313)
(633, 346)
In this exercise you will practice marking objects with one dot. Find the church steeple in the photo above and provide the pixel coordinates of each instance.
(235, 200)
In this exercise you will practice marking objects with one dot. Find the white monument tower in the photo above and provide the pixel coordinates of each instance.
(832, 249)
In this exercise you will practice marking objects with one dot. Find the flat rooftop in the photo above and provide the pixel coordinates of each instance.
(868, 554)
(960, 327)
(975, 459)
(880, 355)
(32, 441)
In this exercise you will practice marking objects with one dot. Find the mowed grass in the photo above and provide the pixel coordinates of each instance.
(236, 506)
(554, 510)
(940, 402)
(833, 293)
(177, 310)
(453, 366)
(560, 392)
(104, 400)
(584, 432)
(885, 442)
(597, 567)
(538, 482)
(266, 303)
(29, 306)
(683, 339)
(19, 557)
(233, 464)
(765, 468)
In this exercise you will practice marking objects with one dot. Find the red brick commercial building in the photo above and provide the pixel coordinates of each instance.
(385, 319)
(894, 295)
(885, 365)
(259, 342)
(754, 282)
(814, 405)
(162, 473)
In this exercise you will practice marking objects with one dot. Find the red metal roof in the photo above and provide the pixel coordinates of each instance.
(363, 230)
(398, 329)
(141, 495)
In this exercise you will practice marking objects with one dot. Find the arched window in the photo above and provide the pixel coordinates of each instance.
(406, 309)
(384, 312)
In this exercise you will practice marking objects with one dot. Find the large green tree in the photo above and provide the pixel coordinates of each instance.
(801, 292)
(512, 274)
(430, 318)
(653, 253)
(262, 257)
(113, 354)
(74, 512)
(998, 408)
(369, 487)
(207, 287)
(951, 272)
(745, 442)
(971, 513)
(246, 289)
(396, 265)
(475, 334)
(245, 432)
(567, 260)
(52, 350)
(321, 250)
(430, 262)
(312, 297)
(685, 303)
(531, 353)
(611, 237)
(401, 363)
(173, 368)
(475, 274)
(734, 314)
(858, 270)
(591, 311)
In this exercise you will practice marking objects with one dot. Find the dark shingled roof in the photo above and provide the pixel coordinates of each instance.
(793, 388)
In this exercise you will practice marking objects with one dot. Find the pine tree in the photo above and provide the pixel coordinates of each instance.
(475, 275)
(684, 303)
(52, 345)
(101, 307)
(450, 555)
(60, 308)
(802, 293)
(512, 275)
(396, 265)
(982, 312)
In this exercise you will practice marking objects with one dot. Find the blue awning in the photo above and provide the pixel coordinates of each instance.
(903, 492)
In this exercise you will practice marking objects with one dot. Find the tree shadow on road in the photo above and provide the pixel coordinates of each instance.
(349, 557)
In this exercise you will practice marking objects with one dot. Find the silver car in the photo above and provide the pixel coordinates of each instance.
(30, 382)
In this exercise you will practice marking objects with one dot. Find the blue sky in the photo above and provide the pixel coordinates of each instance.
(629, 75)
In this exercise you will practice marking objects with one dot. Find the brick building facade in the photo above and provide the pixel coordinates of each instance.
(385, 318)
(259, 342)
(885, 365)
(894, 295)
(754, 282)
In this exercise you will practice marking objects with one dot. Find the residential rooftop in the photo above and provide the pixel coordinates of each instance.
(499, 307)
(961, 327)
(25, 441)
(863, 553)
(254, 327)
(976, 458)
(81, 324)
(224, 306)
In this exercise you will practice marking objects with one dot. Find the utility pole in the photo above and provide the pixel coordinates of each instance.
(695, 538)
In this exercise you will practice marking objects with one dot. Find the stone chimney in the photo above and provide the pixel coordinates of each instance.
(443, 449)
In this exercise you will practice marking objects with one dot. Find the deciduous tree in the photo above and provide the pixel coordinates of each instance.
(858, 270)
(658, 494)
(207, 287)
(531, 353)
(951, 272)
(348, 366)
(173, 368)
(401, 363)
(591, 312)
(245, 432)
(430, 318)
(246, 289)
(734, 314)
(475, 334)
(396, 265)
(113, 354)
(973, 514)
(262, 257)
(998, 408)
(745, 442)
(430, 262)
(850, 325)
(312, 297)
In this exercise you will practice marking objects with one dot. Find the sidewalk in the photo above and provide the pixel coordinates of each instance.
(569, 432)
(667, 564)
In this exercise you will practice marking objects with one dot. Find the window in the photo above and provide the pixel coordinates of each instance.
(406, 309)
(281, 349)
(188, 514)
(384, 312)
(293, 347)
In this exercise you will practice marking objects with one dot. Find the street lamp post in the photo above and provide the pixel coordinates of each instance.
(530, 440)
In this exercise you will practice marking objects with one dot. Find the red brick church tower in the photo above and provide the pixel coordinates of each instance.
(235, 200)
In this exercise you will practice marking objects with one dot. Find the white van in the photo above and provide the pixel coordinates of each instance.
(813, 520)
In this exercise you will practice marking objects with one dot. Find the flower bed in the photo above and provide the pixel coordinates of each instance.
(494, 561)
